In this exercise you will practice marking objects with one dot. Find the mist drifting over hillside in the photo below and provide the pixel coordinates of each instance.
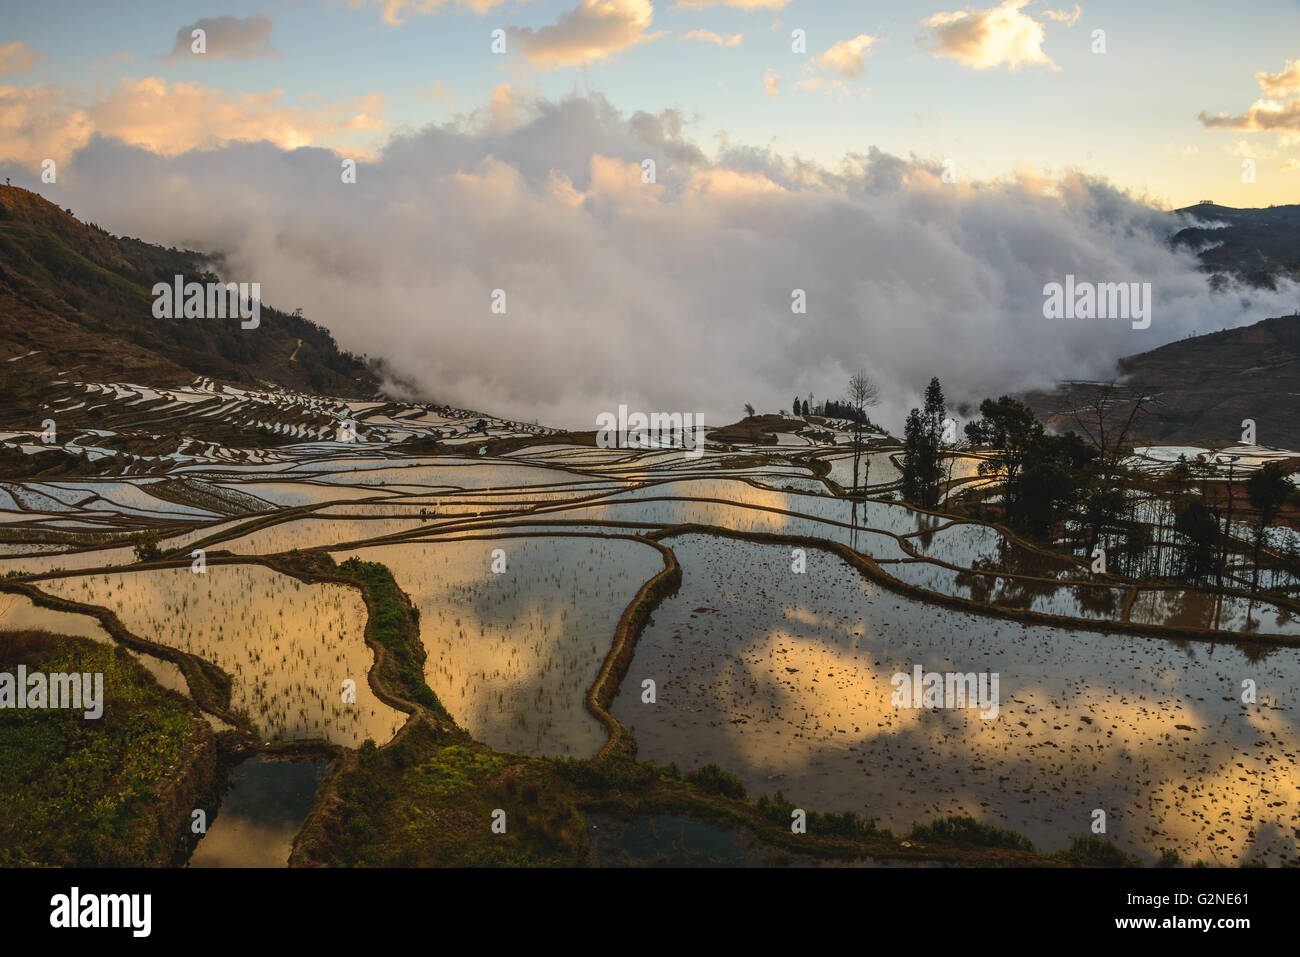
(674, 294)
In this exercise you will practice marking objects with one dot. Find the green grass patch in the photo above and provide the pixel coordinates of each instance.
(79, 792)
(393, 624)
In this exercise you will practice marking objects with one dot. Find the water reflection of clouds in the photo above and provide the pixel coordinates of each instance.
(511, 655)
(827, 734)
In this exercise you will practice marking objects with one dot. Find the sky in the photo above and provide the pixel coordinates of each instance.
(919, 168)
(348, 73)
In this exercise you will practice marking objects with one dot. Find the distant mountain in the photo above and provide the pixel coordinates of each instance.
(83, 299)
(1255, 245)
(1206, 385)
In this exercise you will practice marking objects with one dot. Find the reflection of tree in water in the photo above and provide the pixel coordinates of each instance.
(1015, 559)
(1012, 592)
(1252, 623)
(1284, 614)
(1103, 602)
(1256, 652)
(1187, 609)
(923, 540)
(1187, 647)
(1007, 592)
(1200, 611)
(929, 523)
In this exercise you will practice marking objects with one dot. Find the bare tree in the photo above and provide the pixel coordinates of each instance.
(1107, 414)
(863, 393)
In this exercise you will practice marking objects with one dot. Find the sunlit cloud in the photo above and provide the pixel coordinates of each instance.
(1285, 81)
(395, 10)
(34, 124)
(1281, 116)
(592, 31)
(986, 39)
(708, 36)
(1242, 148)
(17, 57)
(848, 56)
(740, 4)
(47, 121)
(1068, 17)
(772, 83)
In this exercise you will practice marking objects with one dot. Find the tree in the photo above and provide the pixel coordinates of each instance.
(794, 409)
(1053, 474)
(913, 437)
(1267, 490)
(1227, 515)
(1007, 428)
(1106, 414)
(862, 394)
(749, 411)
(805, 406)
(933, 415)
(146, 546)
(1199, 527)
(922, 442)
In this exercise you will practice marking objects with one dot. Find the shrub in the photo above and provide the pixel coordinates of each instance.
(146, 546)
(1169, 859)
(714, 780)
(1093, 851)
(778, 810)
(967, 830)
(617, 772)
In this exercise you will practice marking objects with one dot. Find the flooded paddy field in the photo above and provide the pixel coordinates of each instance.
(875, 468)
(773, 661)
(314, 532)
(20, 613)
(290, 494)
(512, 652)
(786, 680)
(1197, 610)
(289, 646)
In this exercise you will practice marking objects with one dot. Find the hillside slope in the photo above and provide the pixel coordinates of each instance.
(83, 298)
(1205, 386)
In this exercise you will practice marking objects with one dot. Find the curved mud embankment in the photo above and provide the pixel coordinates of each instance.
(623, 647)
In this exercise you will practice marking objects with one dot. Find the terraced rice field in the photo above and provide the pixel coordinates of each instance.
(289, 646)
(773, 660)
